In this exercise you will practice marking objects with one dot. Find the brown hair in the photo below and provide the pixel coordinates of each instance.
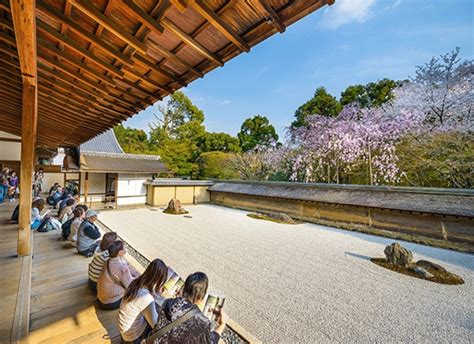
(39, 203)
(152, 279)
(70, 202)
(78, 211)
(107, 240)
(195, 287)
(115, 248)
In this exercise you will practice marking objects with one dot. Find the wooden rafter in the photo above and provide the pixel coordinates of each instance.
(265, 9)
(168, 24)
(109, 24)
(201, 7)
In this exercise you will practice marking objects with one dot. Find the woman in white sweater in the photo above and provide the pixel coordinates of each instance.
(138, 314)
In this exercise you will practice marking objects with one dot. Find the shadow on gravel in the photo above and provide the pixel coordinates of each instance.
(356, 255)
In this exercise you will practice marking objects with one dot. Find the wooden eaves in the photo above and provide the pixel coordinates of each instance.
(99, 62)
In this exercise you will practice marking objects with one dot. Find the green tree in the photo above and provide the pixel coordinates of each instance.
(132, 140)
(256, 131)
(216, 165)
(322, 104)
(222, 142)
(176, 132)
(374, 94)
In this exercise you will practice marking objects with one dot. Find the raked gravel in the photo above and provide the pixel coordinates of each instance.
(305, 283)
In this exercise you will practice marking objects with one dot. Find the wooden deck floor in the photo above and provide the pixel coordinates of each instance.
(63, 308)
(10, 267)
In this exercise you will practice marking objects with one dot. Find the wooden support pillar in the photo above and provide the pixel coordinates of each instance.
(116, 191)
(24, 24)
(86, 187)
(28, 134)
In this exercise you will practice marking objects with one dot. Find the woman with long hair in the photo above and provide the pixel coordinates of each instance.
(138, 314)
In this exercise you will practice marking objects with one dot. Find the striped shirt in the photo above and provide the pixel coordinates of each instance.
(96, 265)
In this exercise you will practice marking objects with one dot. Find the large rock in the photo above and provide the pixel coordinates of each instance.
(175, 207)
(398, 255)
(422, 272)
(280, 217)
(430, 265)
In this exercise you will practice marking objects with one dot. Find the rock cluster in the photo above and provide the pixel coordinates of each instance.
(175, 208)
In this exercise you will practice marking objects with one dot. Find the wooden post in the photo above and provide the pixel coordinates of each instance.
(24, 24)
(86, 187)
(116, 191)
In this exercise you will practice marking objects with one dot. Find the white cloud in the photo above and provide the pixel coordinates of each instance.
(347, 11)
(393, 5)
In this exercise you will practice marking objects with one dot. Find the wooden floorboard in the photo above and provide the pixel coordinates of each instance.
(10, 267)
(63, 308)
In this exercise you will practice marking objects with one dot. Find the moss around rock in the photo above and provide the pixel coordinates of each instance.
(274, 217)
(435, 274)
(175, 208)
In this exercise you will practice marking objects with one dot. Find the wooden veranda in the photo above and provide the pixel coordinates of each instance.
(71, 69)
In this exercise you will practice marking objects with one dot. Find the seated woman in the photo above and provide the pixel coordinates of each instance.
(100, 258)
(88, 234)
(78, 215)
(115, 277)
(138, 314)
(36, 209)
(67, 210)
(197, 329)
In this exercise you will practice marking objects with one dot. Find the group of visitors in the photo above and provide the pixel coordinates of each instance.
(8, 185)
(144, 311)
(138, 297)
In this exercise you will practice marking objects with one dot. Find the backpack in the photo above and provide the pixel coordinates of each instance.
(16, 214)
(50, 224)
(66, 229)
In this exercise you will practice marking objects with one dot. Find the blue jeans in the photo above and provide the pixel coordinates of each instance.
(35, 224)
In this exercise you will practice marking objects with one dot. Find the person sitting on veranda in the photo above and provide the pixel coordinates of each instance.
(66, 211)
(53, 188)
(78, 217)
(196, 329)
(57, 196)
(138, 313)
(36, 209)
(100, 258)
(88, 234)
(115, 277)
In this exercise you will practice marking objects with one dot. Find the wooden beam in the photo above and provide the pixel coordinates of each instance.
(24, 22)
(9, 139)
(168, 24)
(142, 16)
(78, 29)
(167, 54)
(267, 10)
(219, 24)
(29, 119)
(45, 28)
(86, 187)
(179, 4)
(145, 61)
(109, 24)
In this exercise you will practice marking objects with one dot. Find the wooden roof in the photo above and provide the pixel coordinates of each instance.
(427, 200)
(102, 61)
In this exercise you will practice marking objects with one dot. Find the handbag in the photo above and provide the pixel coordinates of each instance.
(157, 334)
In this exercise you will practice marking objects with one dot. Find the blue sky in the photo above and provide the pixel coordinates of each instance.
(351, 42)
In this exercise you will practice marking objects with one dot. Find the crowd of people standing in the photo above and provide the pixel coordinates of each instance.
(9, 185)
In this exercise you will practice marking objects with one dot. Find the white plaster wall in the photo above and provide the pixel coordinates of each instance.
(96, 185)
(9, 150)
(50, 178)
(132, 185)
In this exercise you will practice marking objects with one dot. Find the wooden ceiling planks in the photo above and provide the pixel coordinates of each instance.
(101, 61)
